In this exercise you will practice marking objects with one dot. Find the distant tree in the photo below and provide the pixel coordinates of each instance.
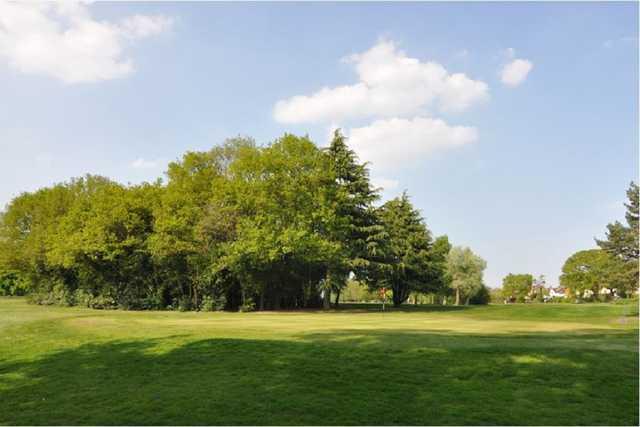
(481, 297)
(622, 241)
(496, 295)
(355, 222)
(103, 239)
(29, 232)
(517, 286)
(465, 270)
(408, 261)
(185, 229)
(281, 195)
(592, 270)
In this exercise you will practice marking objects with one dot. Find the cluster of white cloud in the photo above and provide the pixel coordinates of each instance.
(62, 40)
(390, 142)
(400, 94)
(515, 72)
(390, 84)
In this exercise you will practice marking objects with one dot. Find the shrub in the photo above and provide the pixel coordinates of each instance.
(104, 302)
(210, 303)
(83, 298)
(482, 297)
(12, 284)
(154, 301)
(184, 303)
(248, 305)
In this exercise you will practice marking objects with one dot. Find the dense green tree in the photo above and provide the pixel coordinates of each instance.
(29, 231)
(186, 221)
(465, 271)
(408, 260)
(355, 224)
(278, 225)
(622, 241)
(517, 286)
(592, 270)
(283, 197)
(103, 240)
(481, 297)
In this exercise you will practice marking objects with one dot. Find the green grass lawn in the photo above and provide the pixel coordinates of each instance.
(517, 364)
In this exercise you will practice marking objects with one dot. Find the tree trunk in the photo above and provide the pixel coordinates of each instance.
(326, 303)
(338, 297)
(195, 297)
(399, 295)
(457, 296)
(262, 300)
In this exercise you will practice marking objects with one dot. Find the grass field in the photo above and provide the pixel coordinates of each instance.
(536, 364)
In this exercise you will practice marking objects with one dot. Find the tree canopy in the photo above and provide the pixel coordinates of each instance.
(517, 286)
(465, 270)
(592, 270)
(282, 225)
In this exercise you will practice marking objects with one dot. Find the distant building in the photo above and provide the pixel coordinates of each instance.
(558, 292)
(538, 288)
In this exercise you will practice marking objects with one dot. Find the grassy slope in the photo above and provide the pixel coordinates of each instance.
(538, 364)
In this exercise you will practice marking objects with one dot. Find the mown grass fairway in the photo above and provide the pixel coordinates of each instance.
(538, 364)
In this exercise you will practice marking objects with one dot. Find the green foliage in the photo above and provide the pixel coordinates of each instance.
(284, 225)
(354, 218)
(356, 291)
(585, 273)
(465, 270)
(481, 297)
(247, 306)
(210, 303)
(516, 287)
(12, 283)
(410, 261)
(622, 242)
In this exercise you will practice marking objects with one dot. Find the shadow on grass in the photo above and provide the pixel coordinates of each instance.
(350, 377)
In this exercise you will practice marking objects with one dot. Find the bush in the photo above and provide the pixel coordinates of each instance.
(248, 305)
(184, 303)
(210, 303)
(482, 297)
(154, 301)
(12, 284)
(83, 298)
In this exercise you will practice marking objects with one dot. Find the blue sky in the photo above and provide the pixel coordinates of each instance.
(513, 127)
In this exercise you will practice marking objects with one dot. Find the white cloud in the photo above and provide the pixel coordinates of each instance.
(515, 72)
(138, 26)
(390, 84)
(390, 143)
(141, 163)
(63, 41)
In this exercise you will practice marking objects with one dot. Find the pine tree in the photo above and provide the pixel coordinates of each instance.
(356, 220)
(622, 241)
(408, 256)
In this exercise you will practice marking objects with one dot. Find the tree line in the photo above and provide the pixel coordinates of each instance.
(241, 226)
(596, 273)
(602, 274)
